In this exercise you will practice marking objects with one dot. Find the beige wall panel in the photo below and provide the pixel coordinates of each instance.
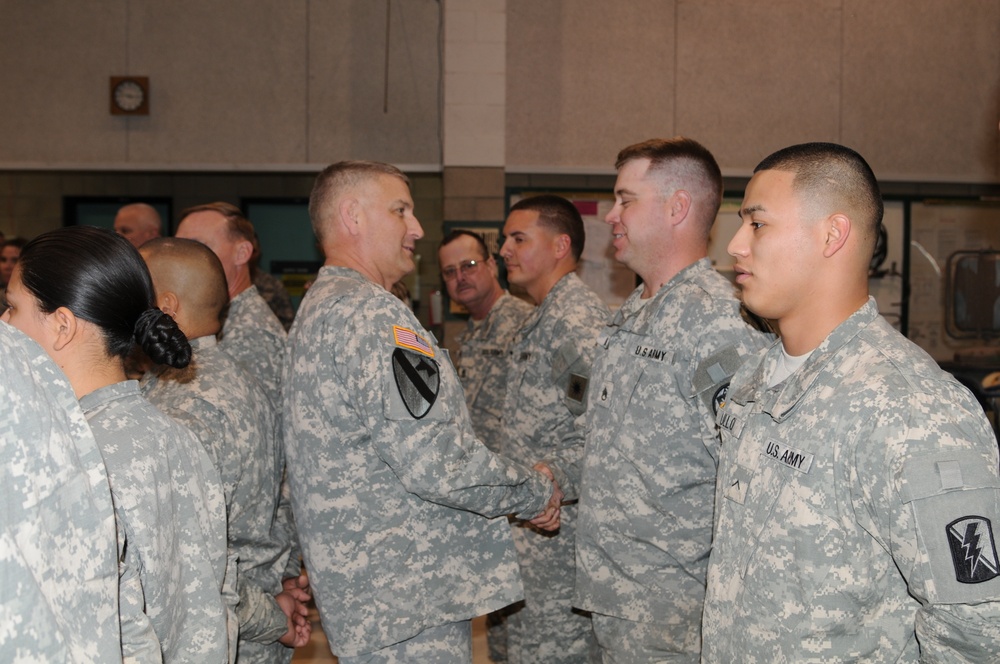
(227, 79)
(57, 57)
(922, 87)
(753, 77)
(585, 78)
(348, 115)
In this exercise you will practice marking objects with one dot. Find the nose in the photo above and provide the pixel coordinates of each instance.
(504, 251)
(416, 230)
(738, 245)
(613, 215)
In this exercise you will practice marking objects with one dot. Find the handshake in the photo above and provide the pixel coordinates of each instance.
(549, 519)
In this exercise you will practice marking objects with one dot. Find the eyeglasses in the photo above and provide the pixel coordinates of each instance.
(466, 267)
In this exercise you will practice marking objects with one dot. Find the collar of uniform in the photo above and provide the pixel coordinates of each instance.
(201, 343)
(242, 295)
(108, 393)
(784, 396)
(564, 285)
(636, 322)
(342, 272)
(491, 315)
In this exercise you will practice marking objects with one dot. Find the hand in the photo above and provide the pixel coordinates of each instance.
(549, 519)
(299, 627)
(298, 587)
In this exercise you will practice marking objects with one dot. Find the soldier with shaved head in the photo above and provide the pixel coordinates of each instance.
(233, 418)
(858, 485)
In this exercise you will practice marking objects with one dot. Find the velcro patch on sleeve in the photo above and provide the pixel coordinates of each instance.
(956, 505)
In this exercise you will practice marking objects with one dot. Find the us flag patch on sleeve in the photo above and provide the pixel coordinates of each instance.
(407, 338)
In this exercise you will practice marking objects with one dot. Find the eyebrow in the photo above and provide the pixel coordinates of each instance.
(750, 209)
(624, 190)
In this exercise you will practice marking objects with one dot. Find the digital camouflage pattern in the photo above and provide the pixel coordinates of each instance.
(482, 360)
(233, 418)
(170, 503)
(648, 473)
(840, 490)
(547, 382)
(58, 554)
(254, 337)
(447, 644)
(256, 340)
(388, 480)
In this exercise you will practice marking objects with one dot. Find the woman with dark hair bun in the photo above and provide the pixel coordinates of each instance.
(85, 295)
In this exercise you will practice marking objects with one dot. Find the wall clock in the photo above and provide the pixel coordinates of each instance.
(129, 95)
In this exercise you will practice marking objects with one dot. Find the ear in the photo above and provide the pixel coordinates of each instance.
(349, 214)
(169, 303)
(679, 205)
(244, 250)
(64, 327)
(562, 245)
(491, 263)
(837, 228)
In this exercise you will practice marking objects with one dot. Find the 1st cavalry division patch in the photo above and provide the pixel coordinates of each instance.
(417, 379)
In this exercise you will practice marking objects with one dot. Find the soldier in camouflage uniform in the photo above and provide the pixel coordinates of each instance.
(251, 334)
(858, 485)
(86, 296)
(547, 382)
(470, 275)
(183, 574)
(58, 560)
(390, 486)
(233, 418)
(648, 475)
(469, 272)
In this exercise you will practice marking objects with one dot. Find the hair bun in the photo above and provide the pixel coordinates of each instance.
(161, 339)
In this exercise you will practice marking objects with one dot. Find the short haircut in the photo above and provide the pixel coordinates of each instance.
(457, 233)
(558, 215)
(832, 177)
(192, 271)
(100, 277)
(238, 226)
(681, 163)
(337, 179)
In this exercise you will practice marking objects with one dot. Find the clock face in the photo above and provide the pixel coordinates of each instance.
(129, 95)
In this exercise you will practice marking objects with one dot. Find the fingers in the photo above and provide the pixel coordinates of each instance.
(299, 627)
(298, 587)
(545, 470)
(550, 518)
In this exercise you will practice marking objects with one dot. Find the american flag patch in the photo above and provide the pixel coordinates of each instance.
(409, 339)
